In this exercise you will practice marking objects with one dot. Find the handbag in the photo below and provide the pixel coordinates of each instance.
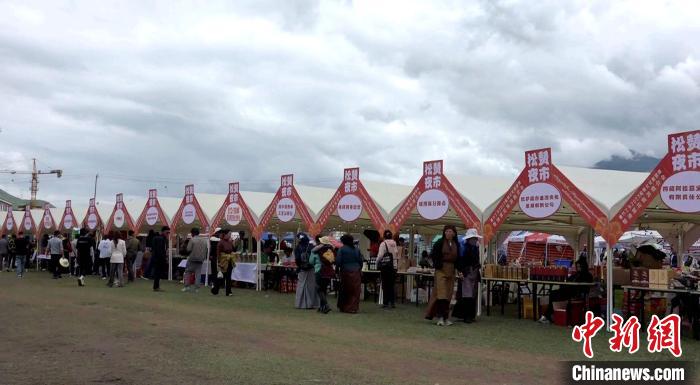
(387, 260)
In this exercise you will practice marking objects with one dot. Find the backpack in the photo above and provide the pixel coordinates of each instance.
(327, 269)
(304, 259)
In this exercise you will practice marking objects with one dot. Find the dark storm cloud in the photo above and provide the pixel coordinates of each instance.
(161, 94)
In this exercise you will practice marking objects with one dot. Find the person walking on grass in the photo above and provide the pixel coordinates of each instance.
(196, 254)
(84, 248)
(322, 258)
(387, 261)
(55, 249)
(116, 261)
(159, 261)
(306, 296)
(349, 261)
(22, 245)
(226, 262)
(132, 249)
(105, 248)
(445, 253)
(4, 252)
(12, 252)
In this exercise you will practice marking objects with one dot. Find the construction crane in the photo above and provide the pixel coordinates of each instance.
(35, 178)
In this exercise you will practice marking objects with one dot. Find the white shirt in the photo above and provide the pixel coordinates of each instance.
(390, 246)
(105, 247)
(118, 252)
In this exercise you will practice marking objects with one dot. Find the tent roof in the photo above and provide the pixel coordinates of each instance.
(315, 198)
(479, 191)
(387, 196)
(607, 188)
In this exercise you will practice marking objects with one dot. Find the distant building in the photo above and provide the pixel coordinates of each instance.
(8, 200)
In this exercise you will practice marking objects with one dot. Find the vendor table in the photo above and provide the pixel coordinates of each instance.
(644, 290)
(422, 279)
(245, 272)
(534, 292)
(276, 273)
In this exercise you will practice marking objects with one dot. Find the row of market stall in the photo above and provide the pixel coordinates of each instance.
(575, 203)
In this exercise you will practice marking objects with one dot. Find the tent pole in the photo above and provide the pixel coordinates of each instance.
(590, 248)
(478, 288)
(206, 272)
(170, 258)
(411, 242)
(609, 283)
(258, 273)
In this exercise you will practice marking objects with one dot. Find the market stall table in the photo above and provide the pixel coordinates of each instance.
(535, 307)
(245, 272)
(695, 320)
(489, 281)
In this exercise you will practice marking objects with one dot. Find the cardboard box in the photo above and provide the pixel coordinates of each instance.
(621, 276)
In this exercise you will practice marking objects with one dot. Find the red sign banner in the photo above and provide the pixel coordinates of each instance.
(285, 206)
(28, 225)
(120, 216)
(234, 209)
(676, 179)
(190, 210)
(152, 213)
(47, 219)
(349, 200)
(68, 220)
(92, 219)
(9, 226)
(432, 197)
(539, 191)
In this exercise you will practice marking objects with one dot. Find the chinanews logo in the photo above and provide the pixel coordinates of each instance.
(662, 334)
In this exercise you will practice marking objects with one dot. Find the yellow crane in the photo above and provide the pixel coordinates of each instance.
(35, 178)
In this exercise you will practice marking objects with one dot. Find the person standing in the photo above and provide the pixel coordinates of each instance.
(213, 247)
(159, 258)
(12, 251)
(322, 258)
(306, 296)
(68, 253)
(22, 245)
(196, 254)
(132, 249)
(116, 260)
(225, 260)
(445, 252)
(468, 265)
(105, 248)
(349, 262)
(4, 252)
(387, 261)
(84, 247)
(55, 249)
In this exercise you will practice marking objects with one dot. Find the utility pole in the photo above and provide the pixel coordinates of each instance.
(94, 195)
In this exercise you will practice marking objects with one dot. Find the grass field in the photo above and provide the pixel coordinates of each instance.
(54, 332)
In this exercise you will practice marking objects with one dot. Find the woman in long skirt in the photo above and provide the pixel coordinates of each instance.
(306, 297)
(349, 261)
(469, 266)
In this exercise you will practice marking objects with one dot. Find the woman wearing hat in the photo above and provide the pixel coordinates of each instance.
(322, 258)
(445, 253)
(468, 265)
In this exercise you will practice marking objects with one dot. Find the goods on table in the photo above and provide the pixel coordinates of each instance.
(639, 276)
(506, 272)
(549, 273)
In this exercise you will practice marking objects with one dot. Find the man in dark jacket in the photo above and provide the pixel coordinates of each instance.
(84, 247)
(160, 256)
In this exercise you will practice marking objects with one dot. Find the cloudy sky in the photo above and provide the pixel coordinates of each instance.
(159, 94)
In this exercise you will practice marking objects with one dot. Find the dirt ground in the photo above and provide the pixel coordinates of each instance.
(54, 332)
